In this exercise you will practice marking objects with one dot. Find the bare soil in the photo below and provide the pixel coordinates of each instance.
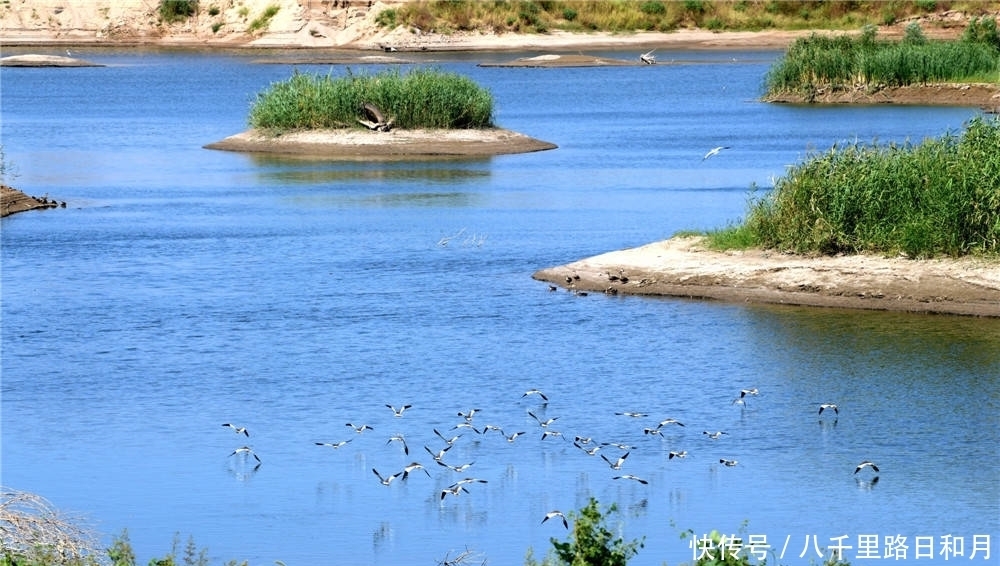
(683, 267)
(13, 201)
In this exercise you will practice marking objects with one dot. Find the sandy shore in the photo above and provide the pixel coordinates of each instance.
(347, 143)
(682, 267)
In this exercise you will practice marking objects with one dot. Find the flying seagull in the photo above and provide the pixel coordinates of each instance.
(513, 436)
(248, 450)
(825, 406)
(648, 57)
(448, 441)
(681, 454)
(616, 465)
(553, 514)
(544, 423)
(714, 435)
(669, 421)
(386, 480)
(728, 463)
(237, 429)
(398, 412)
(359, 428)
(535, 392)
(714, 151)
(399, 438)
(633, 415)
(745, 392)
(334, 445)
(439, 454)
(631, 477)
(866, 464)
(414, 466)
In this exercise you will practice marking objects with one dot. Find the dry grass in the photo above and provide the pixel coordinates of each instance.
(32, 529)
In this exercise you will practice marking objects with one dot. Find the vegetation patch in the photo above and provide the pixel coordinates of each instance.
(172, 11)
(541, 16)
(261, 22)
(937, 198)
(422, 98)
(845, 62)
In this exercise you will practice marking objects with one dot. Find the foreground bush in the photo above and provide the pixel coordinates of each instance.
(590, 543)
(423, 98)
(844, 62)
(940, 197)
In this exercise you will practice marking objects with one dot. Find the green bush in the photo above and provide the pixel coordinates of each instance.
(423, 98)
(590, 543)
(939, 197)
(842, 61)
(176, 10)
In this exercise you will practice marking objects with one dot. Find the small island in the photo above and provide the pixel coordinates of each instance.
(426, 113)
(899, 227)
(866, 69)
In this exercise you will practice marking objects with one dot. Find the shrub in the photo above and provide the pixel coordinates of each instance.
(423, 98)
(591, 543)
(176, 10)
(264, 20)
(940, 197)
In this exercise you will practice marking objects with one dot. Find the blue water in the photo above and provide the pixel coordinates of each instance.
(183, 288)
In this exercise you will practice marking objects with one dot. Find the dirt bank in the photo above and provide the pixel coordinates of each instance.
(13, 201)
(682, 267)
(985, 96)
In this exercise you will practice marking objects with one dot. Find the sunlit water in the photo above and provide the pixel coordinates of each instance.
(183, 288)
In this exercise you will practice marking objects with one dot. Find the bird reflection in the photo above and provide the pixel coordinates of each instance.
(866, 485)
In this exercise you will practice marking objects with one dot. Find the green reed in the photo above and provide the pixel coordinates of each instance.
(939, 197)
(422, 98)
(845, 62)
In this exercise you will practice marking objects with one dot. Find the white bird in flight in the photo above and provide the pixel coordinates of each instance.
(398, 412)
(714, 151)
(237, 429)
(554, 514)
(866, 464)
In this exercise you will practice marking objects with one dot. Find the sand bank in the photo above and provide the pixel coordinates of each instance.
(683, 267)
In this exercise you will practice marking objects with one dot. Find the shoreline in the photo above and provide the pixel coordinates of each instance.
(682, 267)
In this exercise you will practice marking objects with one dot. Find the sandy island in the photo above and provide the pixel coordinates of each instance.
(682, 267)
(354, 143)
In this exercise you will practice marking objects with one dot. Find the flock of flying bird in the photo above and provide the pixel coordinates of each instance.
(545, 426)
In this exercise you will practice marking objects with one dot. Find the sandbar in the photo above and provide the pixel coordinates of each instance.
(396, 144)
(684, 267)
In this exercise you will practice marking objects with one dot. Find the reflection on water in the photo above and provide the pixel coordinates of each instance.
(420, 174)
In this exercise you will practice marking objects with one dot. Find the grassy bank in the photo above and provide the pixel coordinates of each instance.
(422, 98)
(540, 16)
(938, 197)
(845, 62)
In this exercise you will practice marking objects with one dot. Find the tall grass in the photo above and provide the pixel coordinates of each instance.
(541, 16)
(422, 98)
(845, 62)
(939, 197)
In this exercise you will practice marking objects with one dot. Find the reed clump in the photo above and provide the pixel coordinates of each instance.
(937, 198)
(864, 61)
(422, 98)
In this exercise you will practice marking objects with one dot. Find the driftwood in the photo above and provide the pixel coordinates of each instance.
(375, 119)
